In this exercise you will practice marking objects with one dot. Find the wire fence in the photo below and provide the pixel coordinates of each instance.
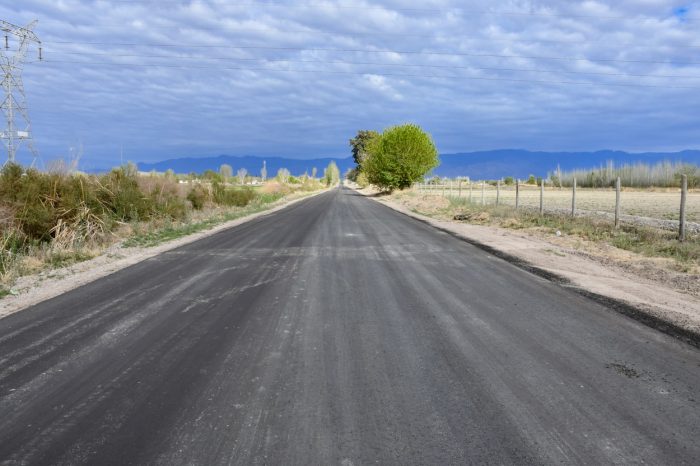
(668, 208)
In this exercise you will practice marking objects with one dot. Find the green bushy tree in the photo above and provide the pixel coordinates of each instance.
(398, 158)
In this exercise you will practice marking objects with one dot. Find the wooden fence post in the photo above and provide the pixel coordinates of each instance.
(517, 193)
(483, 187)
(459, 189)
(681, 218)
(542, 196)
(573, 200)
(470, 191)
(617, 202)
(498, 192)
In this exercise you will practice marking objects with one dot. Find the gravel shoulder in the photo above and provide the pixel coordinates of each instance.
(656, 297)
(33, 289)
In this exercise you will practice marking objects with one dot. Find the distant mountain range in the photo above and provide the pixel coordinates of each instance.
(479, 165)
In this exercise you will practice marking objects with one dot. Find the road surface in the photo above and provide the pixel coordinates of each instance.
(338, 331)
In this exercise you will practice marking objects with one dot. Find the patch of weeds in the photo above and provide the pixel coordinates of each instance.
(57, 259)
(168, 233)
(268, 198)
(656, 243)
(174, 231)
(643, 240)
(4, 292)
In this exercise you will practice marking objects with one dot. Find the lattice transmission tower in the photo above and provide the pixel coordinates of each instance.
(18, 128)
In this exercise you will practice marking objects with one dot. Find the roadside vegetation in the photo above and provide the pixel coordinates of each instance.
(647, 241)
(394, 159)
(53, 219)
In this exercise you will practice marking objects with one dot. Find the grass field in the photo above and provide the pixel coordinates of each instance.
(660, 204)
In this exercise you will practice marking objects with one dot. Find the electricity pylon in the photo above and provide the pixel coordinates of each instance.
(18, 128)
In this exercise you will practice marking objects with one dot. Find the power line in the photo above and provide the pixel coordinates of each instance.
(349, 6)
(400, 65)
(400, 34)
(400, 75)
(398, 52)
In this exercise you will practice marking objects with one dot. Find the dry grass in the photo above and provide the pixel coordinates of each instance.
(646, 241)
(50, 220)
(660, 203)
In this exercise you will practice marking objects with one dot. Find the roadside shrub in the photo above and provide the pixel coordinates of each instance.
(268, 198)
(362, 180)
(164, 193)
(238, 197)
(121, 195)
(77, 208)
(198, 196)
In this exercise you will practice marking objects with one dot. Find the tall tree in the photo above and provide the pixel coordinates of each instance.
(283, 175)
(398, 158)
(242, 172)
(359, 144)
(331, 175)
(226, 172)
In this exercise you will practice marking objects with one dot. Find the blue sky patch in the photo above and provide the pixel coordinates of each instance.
(681, 12)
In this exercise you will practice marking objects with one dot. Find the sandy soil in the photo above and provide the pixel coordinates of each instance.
(33, 289)
(647, 284)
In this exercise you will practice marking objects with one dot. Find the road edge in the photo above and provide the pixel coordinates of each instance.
(63, 280)
(617, 305)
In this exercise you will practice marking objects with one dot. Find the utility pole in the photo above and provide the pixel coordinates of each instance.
(14, 106)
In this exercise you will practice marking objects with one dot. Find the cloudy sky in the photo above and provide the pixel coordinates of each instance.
(161, 79)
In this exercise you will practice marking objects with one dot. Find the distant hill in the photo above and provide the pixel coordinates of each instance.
(478, 165)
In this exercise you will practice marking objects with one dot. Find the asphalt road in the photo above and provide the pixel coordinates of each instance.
(338, 331)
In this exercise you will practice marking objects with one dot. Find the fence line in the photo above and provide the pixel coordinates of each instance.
(637, 206)
(573, 199)
(684, 198)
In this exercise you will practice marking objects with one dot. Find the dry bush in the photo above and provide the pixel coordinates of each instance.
(273, 187)
(7, 217)
(82, 227)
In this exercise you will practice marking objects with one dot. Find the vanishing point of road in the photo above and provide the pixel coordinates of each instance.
(339, 332)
